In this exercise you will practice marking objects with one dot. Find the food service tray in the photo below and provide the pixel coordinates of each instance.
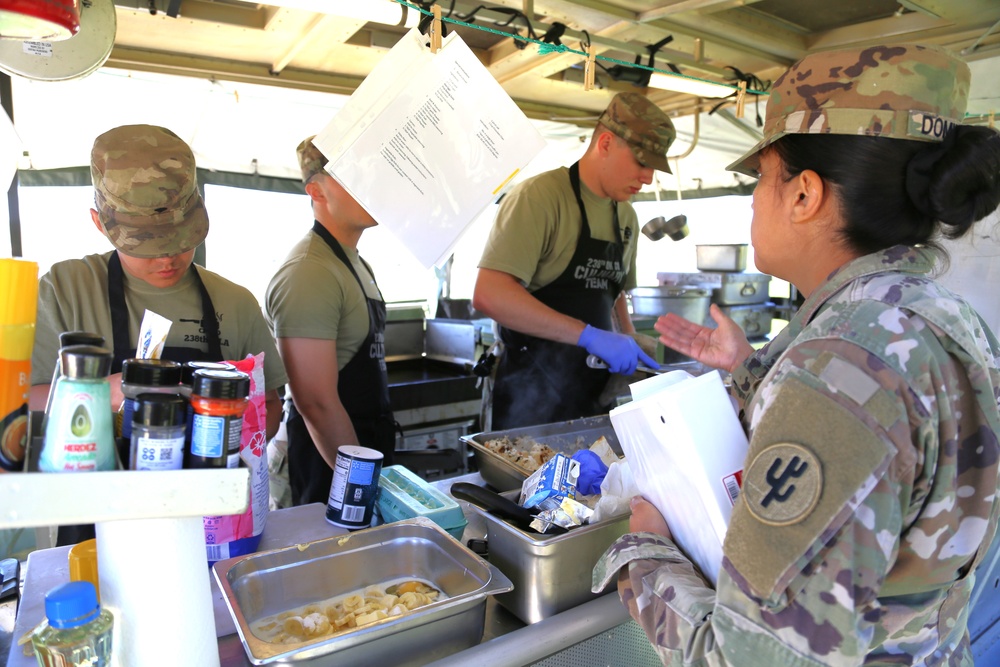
(566, 437)
(266, 583)
(550, 573)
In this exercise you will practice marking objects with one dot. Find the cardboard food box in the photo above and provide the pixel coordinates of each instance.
(556, 478)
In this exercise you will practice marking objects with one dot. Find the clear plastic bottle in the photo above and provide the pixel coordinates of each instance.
(76, 633)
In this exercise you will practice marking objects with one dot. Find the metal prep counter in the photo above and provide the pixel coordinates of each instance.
(595, 634)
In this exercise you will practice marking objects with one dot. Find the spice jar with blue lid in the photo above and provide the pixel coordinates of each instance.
(76, 632)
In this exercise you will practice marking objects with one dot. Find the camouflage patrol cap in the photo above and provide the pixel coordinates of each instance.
(644, 127)
(901, 91)
(311, 161)
(146, 191)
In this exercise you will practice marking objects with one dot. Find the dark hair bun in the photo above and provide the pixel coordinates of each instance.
(957, 181)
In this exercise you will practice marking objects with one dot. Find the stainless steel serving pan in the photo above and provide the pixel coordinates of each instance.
(721, 257)
(551, 573)
(565, 437)
(259, 585)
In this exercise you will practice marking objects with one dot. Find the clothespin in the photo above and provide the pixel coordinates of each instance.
(741, 95)
(589, 67)
(435, 31)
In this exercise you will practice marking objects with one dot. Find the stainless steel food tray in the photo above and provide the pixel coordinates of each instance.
(565, 437)
(260, 585)
(551, 573)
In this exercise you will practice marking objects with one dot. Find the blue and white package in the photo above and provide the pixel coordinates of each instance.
(556, 477)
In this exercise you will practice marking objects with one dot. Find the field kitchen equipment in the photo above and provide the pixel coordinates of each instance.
(260, 585)
(563, 437)
(432, 389)
(742, 296)
(676, 228)
(551, 572)
(721, 257)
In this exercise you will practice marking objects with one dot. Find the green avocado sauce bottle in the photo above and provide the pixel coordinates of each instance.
(78, 431)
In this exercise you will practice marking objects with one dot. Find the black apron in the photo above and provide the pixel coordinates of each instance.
(363, 387)
(124, 349)
(539, 381)
(123, 346)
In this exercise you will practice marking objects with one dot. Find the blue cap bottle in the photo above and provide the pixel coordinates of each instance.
(76, 632)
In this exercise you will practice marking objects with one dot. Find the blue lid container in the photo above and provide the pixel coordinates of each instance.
(403, 495)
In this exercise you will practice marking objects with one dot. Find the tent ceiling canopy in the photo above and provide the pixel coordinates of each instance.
(244, 82)
(331, 45)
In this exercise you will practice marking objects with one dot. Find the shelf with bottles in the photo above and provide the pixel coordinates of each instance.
(49, 499)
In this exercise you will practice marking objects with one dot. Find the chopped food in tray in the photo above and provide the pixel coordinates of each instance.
(530, 455)
(523, 452)
(345, 612)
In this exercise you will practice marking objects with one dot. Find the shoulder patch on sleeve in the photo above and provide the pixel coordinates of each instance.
(811, 462)
(782, 484)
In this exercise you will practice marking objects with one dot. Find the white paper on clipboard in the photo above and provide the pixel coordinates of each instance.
(427, 142)
(686, 449)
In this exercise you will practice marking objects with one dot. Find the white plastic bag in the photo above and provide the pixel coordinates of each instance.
(617, 490)
(686, 448)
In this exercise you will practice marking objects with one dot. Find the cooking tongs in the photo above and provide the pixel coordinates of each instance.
(497, 505)
(594, 361)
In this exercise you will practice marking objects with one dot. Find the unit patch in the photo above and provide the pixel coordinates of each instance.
(782, 484)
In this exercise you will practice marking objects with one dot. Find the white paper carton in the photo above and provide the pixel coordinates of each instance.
(686, 449)
(556, 478)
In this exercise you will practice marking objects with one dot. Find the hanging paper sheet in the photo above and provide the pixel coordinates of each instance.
(426, 142)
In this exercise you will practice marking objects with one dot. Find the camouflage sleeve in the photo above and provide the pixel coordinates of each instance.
(748, 376)
(663, 592)
(801, 578)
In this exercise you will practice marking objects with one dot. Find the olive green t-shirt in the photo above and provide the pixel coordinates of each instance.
(73, 296)
(314, 295)
(538, 225)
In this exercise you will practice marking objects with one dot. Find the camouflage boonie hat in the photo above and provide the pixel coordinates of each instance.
(644, 126)
(904, 91)
(146, 191)
(311, 161)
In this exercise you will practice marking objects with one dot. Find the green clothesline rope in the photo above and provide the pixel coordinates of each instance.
(545, 48)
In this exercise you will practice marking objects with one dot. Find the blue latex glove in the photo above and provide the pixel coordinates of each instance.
(620, 352)
(592, 472)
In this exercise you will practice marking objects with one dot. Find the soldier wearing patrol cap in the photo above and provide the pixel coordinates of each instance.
(558, 260)
(328, 317)
(869, 490)
(148, 206)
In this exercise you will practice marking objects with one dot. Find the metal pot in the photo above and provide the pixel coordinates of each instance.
(688, 301)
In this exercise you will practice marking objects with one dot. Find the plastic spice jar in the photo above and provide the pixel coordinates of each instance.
(145, 376)
(76, 633)
(158, 425)
(218, 400)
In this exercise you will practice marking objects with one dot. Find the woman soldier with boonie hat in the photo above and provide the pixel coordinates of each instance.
(869, 490)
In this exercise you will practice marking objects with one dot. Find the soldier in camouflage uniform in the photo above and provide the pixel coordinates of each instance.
(557, 262)
(870, 486)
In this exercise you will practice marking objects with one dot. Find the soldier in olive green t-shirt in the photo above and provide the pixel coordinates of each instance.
(148, 205)
(328, 317)
(557, 262)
